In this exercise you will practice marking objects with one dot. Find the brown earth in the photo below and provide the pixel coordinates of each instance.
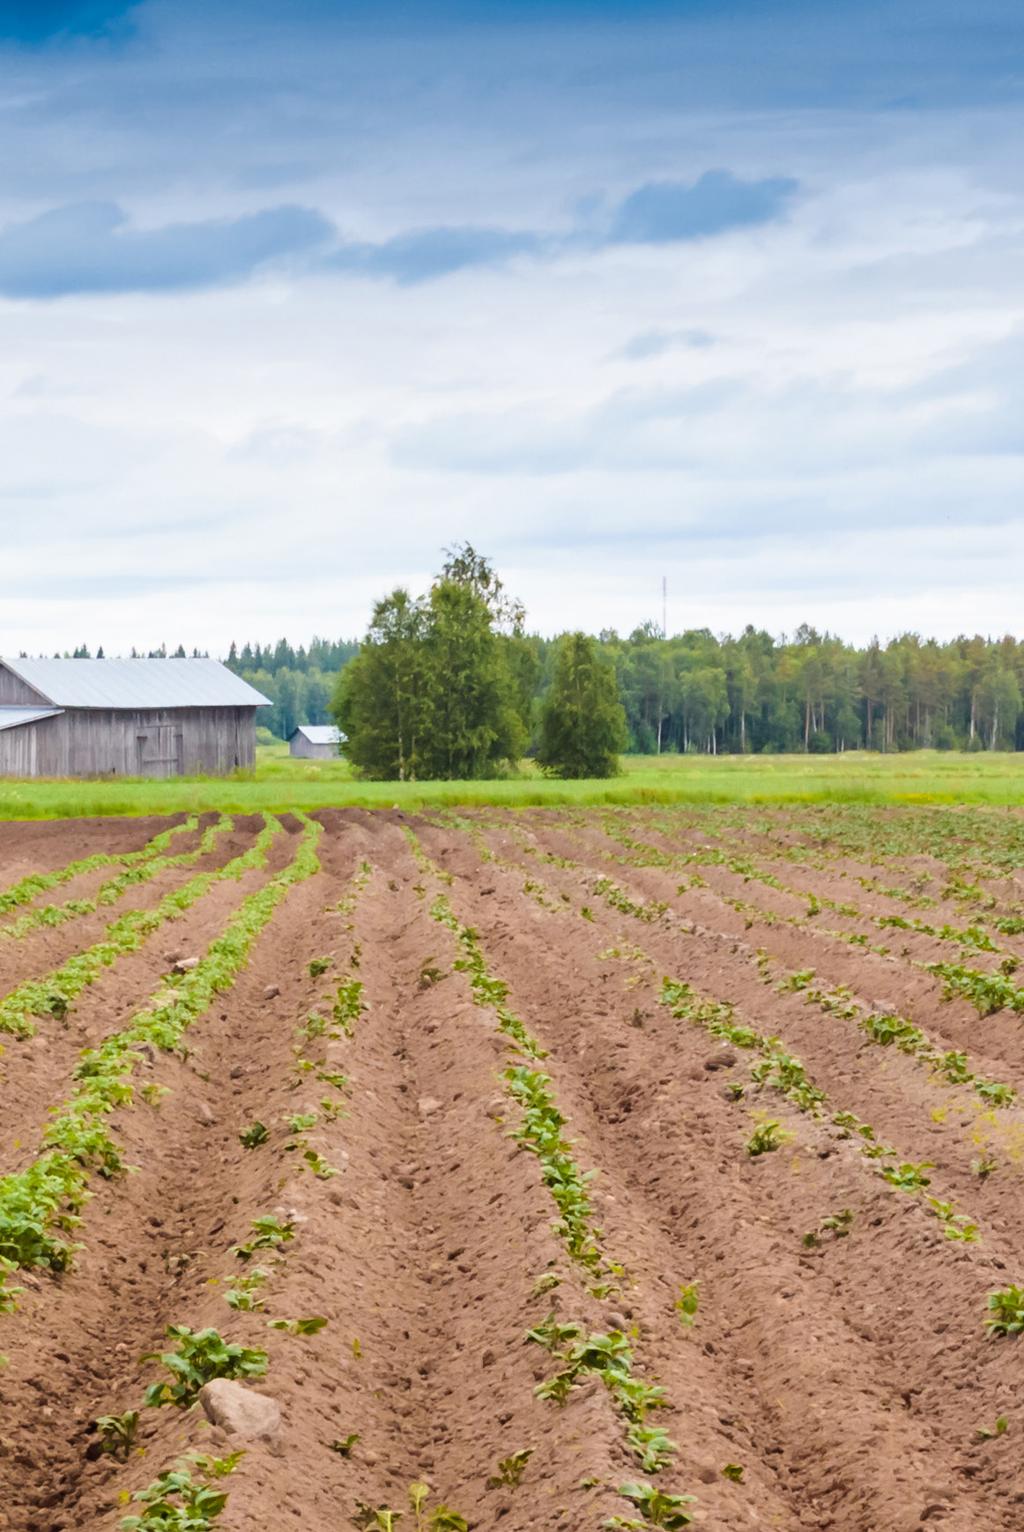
(849, 1380)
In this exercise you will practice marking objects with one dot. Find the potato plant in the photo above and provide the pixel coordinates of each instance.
(178, 1502)
(40, 1205)
(199, 1357)
(36, 883)
(142, 871)
(52, 995)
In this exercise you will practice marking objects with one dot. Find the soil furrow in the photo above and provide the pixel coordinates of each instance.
(859, 1389)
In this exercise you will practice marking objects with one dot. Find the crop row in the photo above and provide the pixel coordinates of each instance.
(115, 888)
(579, 1354)
(972, 936)
(37, 883)
(192, 1493)
(783, 1072)
(887, 1029)
(40, 1206)
(53, 994)
(884, 1029)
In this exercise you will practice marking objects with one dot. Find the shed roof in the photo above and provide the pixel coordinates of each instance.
(318, 733)
(11, 717)
(136, 683)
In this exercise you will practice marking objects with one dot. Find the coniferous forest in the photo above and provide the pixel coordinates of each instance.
(694, 691)
(464, 662)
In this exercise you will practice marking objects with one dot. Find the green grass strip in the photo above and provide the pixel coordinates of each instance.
(38, 882)
(115, 888)
(40, 1206)
(53, 994)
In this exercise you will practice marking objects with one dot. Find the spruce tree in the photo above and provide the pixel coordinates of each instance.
(583, 724)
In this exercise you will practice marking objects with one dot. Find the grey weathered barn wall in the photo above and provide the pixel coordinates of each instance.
(96, 742)
(14, 690)
(305, 750)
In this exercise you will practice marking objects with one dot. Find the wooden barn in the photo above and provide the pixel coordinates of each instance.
(315, 742)
(131, 718)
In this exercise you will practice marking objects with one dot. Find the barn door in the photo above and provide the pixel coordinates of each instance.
(157, 751)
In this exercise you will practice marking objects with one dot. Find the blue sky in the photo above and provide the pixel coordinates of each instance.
(294, 294)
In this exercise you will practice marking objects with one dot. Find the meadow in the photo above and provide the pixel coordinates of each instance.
(279, 784)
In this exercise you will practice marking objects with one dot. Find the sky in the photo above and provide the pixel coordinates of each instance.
(294, 294)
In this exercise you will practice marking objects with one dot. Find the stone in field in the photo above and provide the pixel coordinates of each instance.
(239, 1410)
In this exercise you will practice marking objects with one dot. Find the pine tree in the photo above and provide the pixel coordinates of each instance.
(583, 725)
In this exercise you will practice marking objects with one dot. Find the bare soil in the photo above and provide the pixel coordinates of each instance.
(849, 1379)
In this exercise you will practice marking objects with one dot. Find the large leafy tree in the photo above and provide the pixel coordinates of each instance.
(432, 692)
(583, 725)
(380, 702)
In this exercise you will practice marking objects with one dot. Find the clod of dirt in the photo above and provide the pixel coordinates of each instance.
(722, 1058)
(271, 992)
(205, 1114)
(239, 1410)
(185, 965)
(428, 1105)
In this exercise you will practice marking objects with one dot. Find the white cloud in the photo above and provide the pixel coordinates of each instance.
(268, 458)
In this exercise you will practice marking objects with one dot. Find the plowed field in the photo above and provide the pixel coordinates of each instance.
(536, 1169)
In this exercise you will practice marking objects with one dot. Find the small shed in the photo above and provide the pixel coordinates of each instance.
(132, 718)
(316, 742)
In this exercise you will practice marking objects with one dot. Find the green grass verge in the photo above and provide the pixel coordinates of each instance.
(279, 784)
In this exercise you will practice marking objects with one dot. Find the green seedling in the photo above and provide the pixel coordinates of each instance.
(545, 1283)
(907, 1176)
(343, 1445)
(175, 1502)
(270, 1234)
(441, 1519)
(319, 966)
(653, 1446)
(8, 1295)
(658, 1508)
(243, 1292)
(254, 1135)
(332, 1077)
(687, 1304)
(200, 1356)
(117, 1434)
(349, 1005)
(430, 974)
(1006, 1311)
(318, 1165)
(510, 1470)
(989, 1433)
(734, 1472)
(985, 1166)
(301, 1122)
(766, 1137)
(957, 1225)
(310, 1326)
(837, 1224)
(552, 1335)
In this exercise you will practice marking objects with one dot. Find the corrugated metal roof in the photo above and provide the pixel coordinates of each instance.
(319, 733)
(11, 717)
(137, 683)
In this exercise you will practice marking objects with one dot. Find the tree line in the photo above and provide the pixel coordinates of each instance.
(449, 683)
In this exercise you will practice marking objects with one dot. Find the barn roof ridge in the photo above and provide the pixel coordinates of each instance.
(319, 733)
(135, 683)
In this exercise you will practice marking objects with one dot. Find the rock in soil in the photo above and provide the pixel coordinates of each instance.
(239, 1410)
